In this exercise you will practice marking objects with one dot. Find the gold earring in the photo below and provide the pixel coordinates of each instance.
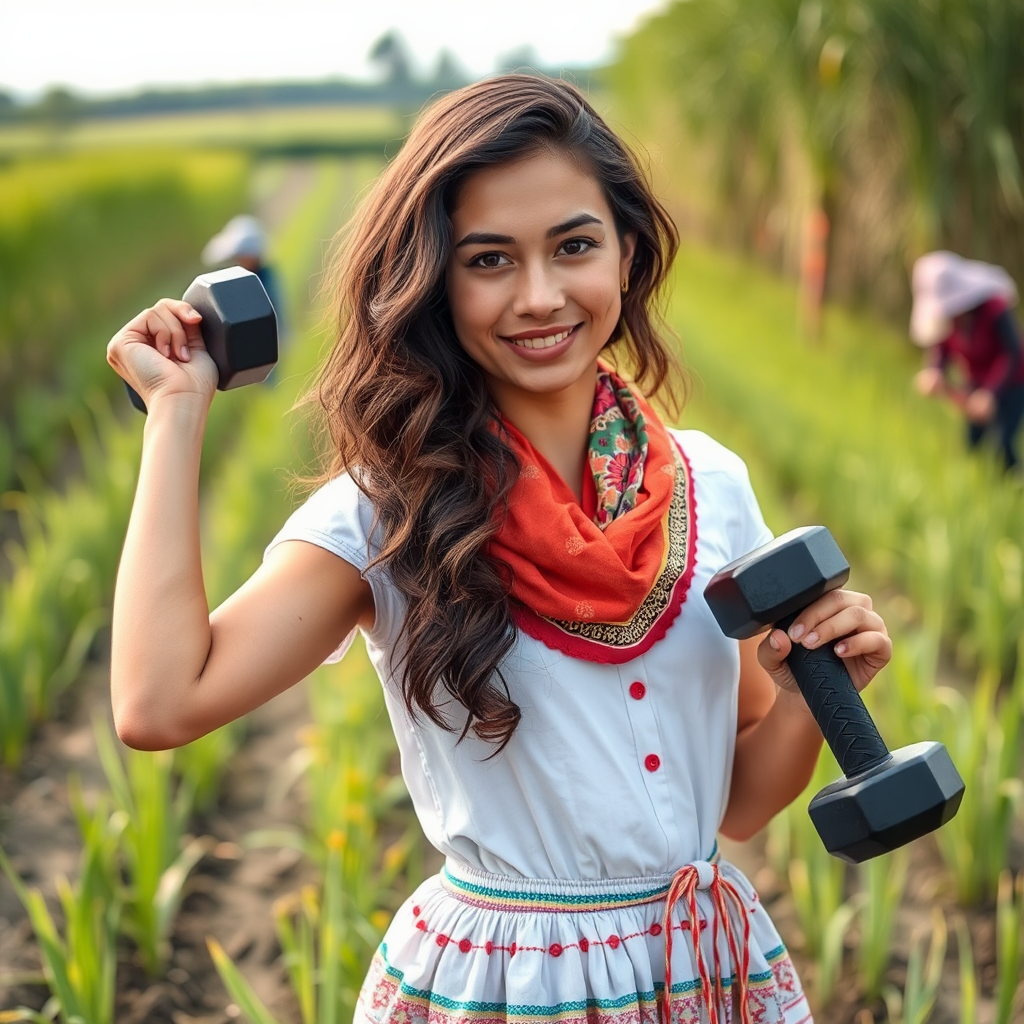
(625, 285)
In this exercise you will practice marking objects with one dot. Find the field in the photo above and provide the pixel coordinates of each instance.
(144, 887)
(262, 126)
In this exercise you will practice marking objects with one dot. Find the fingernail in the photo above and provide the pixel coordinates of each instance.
(796, 631)
(811, 640)
(773, 643)
(841, 649)
(185, 354)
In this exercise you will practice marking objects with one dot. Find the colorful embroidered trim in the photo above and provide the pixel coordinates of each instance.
(584, 944)
(548, 896)
(613, 643)
(386, 996)
(497, 899)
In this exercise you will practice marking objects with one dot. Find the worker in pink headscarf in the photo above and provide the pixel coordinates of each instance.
(961, 315)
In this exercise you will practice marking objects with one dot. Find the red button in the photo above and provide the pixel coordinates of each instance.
(652, 762)
(637, 691)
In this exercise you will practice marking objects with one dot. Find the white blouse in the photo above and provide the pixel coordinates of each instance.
(614, 771)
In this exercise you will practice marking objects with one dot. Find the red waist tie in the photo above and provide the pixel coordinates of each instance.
(685, 883)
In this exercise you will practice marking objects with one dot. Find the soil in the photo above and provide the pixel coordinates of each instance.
(229, 896)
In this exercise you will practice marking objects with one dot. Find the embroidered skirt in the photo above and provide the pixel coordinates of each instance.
(474, 947)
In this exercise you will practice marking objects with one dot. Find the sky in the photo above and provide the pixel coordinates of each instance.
(103, 47)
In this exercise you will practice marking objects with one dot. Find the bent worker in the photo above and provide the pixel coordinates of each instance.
(961, 315)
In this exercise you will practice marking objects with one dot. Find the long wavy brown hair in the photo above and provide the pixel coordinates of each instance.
(407, 412)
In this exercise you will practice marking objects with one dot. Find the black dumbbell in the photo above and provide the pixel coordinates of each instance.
(239, 327)
(887, 799)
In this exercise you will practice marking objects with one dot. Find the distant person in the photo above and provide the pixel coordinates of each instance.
(242, 243)
(961, 314)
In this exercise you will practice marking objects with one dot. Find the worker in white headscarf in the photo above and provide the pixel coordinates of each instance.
(242, 242)
(961, 315)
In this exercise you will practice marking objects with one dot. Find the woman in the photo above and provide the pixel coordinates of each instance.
(524, 546)
(961, 314)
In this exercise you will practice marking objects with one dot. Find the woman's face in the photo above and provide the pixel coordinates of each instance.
(534, 279)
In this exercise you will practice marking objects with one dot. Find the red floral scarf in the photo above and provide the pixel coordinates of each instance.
(603, 580)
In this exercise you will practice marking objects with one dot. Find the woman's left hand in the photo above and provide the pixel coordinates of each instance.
(843, 618)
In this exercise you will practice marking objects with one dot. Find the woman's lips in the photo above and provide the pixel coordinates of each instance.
(534, 345)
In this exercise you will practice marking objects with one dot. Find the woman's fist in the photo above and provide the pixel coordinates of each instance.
(161, 353)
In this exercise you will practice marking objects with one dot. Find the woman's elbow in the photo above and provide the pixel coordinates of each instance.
(143, 730)
(741, 828)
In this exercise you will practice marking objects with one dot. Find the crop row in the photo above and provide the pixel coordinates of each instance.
(833, 434)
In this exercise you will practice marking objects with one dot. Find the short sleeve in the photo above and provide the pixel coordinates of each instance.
(339, 518)
(727, 491)
(751, 530)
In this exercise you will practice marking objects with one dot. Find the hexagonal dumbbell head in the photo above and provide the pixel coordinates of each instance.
(911, 794)
(239, 325)
(776, 580)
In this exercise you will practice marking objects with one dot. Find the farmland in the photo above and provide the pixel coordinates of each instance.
(252, 873)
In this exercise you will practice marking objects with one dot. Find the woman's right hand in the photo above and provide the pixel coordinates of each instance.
(161, 353)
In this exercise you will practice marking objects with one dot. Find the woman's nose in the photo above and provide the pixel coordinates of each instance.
(538, 293)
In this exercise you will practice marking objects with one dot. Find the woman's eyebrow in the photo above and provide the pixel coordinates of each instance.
(573, 223)
(489, 238)
(485, 238)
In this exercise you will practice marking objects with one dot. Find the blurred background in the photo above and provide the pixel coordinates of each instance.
(810, 152)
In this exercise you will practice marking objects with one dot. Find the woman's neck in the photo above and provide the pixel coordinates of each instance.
(557, 425)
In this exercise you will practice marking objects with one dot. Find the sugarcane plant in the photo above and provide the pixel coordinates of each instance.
(914, 1004)
(80, 957)
(157, 853)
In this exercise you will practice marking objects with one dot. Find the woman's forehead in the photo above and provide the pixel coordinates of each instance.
(527, 196)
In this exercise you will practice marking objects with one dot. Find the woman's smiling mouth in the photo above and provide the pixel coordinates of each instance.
(541, 339)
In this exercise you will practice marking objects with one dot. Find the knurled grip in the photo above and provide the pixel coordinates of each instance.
(836, 705)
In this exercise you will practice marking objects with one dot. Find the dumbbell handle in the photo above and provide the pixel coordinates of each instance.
(836, 705)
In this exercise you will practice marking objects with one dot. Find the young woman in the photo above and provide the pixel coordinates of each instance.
(524, 547)
(961, 315)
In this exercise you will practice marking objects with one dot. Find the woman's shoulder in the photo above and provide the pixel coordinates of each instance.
(706, 455)
(336, 515)
(724, 495)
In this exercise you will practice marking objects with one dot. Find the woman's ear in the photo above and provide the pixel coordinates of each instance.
(628, 250)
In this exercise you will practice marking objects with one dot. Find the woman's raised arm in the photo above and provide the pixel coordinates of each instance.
(178, 671)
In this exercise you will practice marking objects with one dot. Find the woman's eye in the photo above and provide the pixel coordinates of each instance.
(488, 260)
(577, 246)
